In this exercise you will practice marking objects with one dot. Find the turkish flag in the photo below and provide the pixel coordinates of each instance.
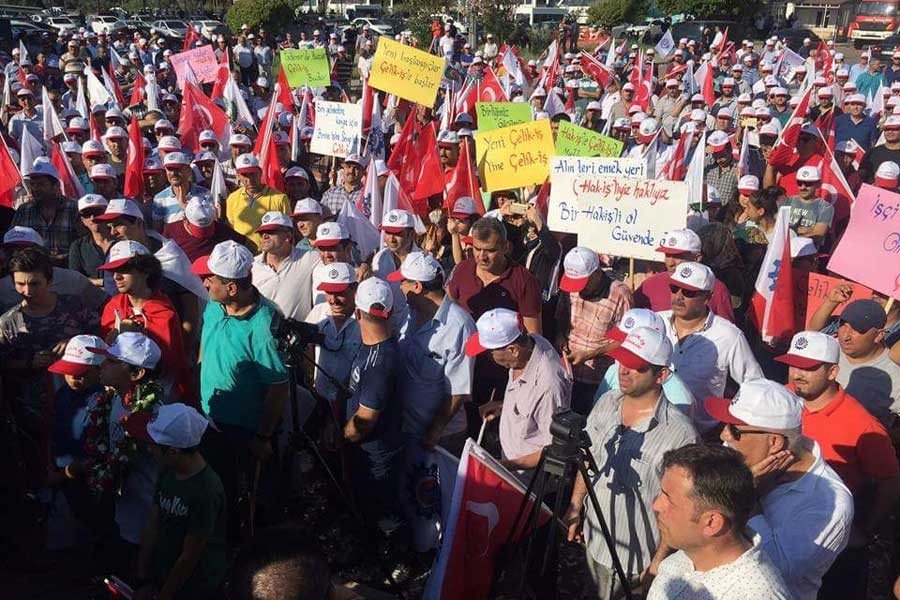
(824, 60)
(190, 37)
(772, 306)
(835, 189)
(464, 181)
(71, 187)
(110, 78)
(490, 89)
(198, 113)
(137, 92)
(785, 151)
(95, 127)
(486, 500)
(9, 176)
(415, 161)
(265, 150)
(223, 72)
(134, 166)
(595, 69)
(284, 92)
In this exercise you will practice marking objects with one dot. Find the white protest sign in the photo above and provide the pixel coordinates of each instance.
(613, 213)
(337, 128)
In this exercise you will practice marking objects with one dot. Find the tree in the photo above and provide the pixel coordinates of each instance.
(493, 16)
(609, 13)
(711, 9)
(273, 15)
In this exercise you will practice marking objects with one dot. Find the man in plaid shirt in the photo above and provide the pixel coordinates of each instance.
(590, 303)
(49, 213)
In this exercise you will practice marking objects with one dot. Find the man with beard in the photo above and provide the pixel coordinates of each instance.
(168, 205)
(307, 217)
(53, 216)
(350, 189)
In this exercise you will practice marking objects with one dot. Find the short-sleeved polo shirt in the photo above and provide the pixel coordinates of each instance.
(245, 213)
(167, 208)
(435, 367)
(516, 289)
(240, 361)
(290, 287)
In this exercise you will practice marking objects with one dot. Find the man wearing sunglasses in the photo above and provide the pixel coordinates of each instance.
(809, 153)
(806, 511)
(811, 216)
(88, 252)
(853, 443)
(708, 348)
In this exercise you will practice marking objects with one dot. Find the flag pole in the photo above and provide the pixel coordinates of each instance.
(889, 304)
(631, 272)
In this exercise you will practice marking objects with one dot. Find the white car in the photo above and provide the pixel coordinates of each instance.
(210, 28)
(171, 28)
(107, 24)
(376, 25)
(61, 24)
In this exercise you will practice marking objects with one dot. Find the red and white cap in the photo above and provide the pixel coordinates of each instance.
(396, 220)
(22, 236)
(855, 99)
(335, 277)
(497, 328)
(579, 264)
(824, 92)
(643, 347)
(153, 165)
(174, 425)
(809, 173)
(809, 349)
(281, 138)
(296, 173)
(103, 171)
(759, 403)
(115, 133)
(892, 122)
(228, 259)
(647, 130)
(628, 87)
(330, 234)
(464, 208)
(206, 136)
(417, 266)
(633, 319)
(241, 140)
(887, 174)
(121, 252)
(133, 348)
(693, 276)
(78, 359)
(698, 114)
(200, 217)
(164, 125)
(374, 296)
(307, 206)
(718, 141)
(92, 201)
(748, 184)
(274, 220)
(246, 162)
(679, 241)
(170, 143)
(120, 207)
(176, 160)
(768, 129)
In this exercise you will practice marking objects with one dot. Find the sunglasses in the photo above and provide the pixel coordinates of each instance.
(90, 214)
(807, 184)
(736, 433)
(208, 145)
(686, 293)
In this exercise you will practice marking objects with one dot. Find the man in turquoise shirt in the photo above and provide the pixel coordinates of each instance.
(868, 82)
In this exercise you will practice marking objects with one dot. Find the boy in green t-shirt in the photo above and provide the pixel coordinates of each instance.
(183, 545)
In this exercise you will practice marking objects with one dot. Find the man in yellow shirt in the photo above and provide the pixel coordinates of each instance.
(245, 206)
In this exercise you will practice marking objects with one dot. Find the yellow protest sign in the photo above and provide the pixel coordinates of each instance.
(515, 156)
(406, 72)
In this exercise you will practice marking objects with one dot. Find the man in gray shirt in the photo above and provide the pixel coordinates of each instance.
(630, 430)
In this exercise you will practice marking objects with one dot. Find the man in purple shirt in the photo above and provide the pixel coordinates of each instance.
(678, 246)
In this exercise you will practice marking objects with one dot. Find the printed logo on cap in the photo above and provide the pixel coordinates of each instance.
(393, 217)
(672, 241)
(685, 272)
(333, 273)
(801, 343)
(628, 323)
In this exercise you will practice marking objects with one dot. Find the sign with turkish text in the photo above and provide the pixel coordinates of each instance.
(572, 140)
(869, 251)
(614, 214)
(812, 290)
(306, 66)
(202, 62)
(406, 72)
(337, 128)
(516, 156)
(495, 115)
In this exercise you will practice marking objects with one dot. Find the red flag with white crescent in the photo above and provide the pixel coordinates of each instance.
(134, 165)
(490, 89)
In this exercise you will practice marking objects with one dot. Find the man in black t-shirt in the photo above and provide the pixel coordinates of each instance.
(889, 151)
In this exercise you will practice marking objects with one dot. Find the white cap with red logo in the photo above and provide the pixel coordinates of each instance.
(228, 259)
(809, 349)
(330, 234)
(335, 277)
(634, 318)
(497, 328)
(274, 220)
(887, 174)
(642, 347)
(693, 276)
(78, 359)
(417, 266)
(579, 264)
(103, 171)
(679, 241)
(464, 207)
(120, 207)
(121, 252)
(133, 348)
(92, 201)
(809, 174)
(19, 235)
(374, 297)
(397, 220)
(748, 184)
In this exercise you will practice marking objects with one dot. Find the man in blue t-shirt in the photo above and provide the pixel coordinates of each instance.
(373, 411)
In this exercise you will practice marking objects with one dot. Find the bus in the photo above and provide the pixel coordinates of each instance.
(874, 20)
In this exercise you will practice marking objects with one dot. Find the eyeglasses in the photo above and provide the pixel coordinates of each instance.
(807, 184)
(686, 293)
(736, 433)
(90, 214)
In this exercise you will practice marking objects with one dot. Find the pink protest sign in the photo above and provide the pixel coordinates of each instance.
(203, 63)
(869, 252)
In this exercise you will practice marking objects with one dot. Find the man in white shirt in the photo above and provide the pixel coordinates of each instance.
(280, 272)
(806, 511)
(707, 348)
(399, 228)
(706, 496)
(490, 48)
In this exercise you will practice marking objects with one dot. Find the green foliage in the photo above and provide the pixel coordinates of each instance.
(274, 15)
(493, 16)
(711, 9)
(419, 18)
(609, 13)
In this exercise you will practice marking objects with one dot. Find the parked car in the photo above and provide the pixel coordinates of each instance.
(693, 30)
(61, 24)
(795, 37)
(107, 23)
(210, 28)
(171, 28)
(377, 25)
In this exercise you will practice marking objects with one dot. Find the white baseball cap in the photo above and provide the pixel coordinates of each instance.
(296, 172)
(133, 348)
(855, 99)
(43, 166)
(397, 220)
(103, 171)
(809, 349)
(335, 277)
(167, 124)
(417, 266)
(246, 162)
(824, 92)
(330, 234)
(718, 141)
(70, 146)
(748, 184)
(633, 319)
(698, 114)
(228, 259)
(170, 143)
(759, 403)
(374, 297)
(579, 264)
(153, 165)
(207, 135)
(464, 207)
(809, 173)
(176, 160)
(307, 206)
(120, 207)
(239, 139)
(274, 220)
(92, 201)
(679, 241)
(892, 122)
(77, 359)
(175, 425)
(643, 347)
(115, 132)
(200, 217)
(887, 174)
(693, 276)
(22, 236)
(497, 328)
(121, 252)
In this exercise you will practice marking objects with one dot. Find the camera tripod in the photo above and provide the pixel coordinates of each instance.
(560, 463)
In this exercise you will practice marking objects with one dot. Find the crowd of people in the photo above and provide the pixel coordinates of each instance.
(146, 394)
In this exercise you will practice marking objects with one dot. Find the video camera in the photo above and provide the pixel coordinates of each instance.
(567, 429)
(293, 336)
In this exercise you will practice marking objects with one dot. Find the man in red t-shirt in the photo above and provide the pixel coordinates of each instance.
(854, 443)
(678, 246)
(198, 232)
(809, 153)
